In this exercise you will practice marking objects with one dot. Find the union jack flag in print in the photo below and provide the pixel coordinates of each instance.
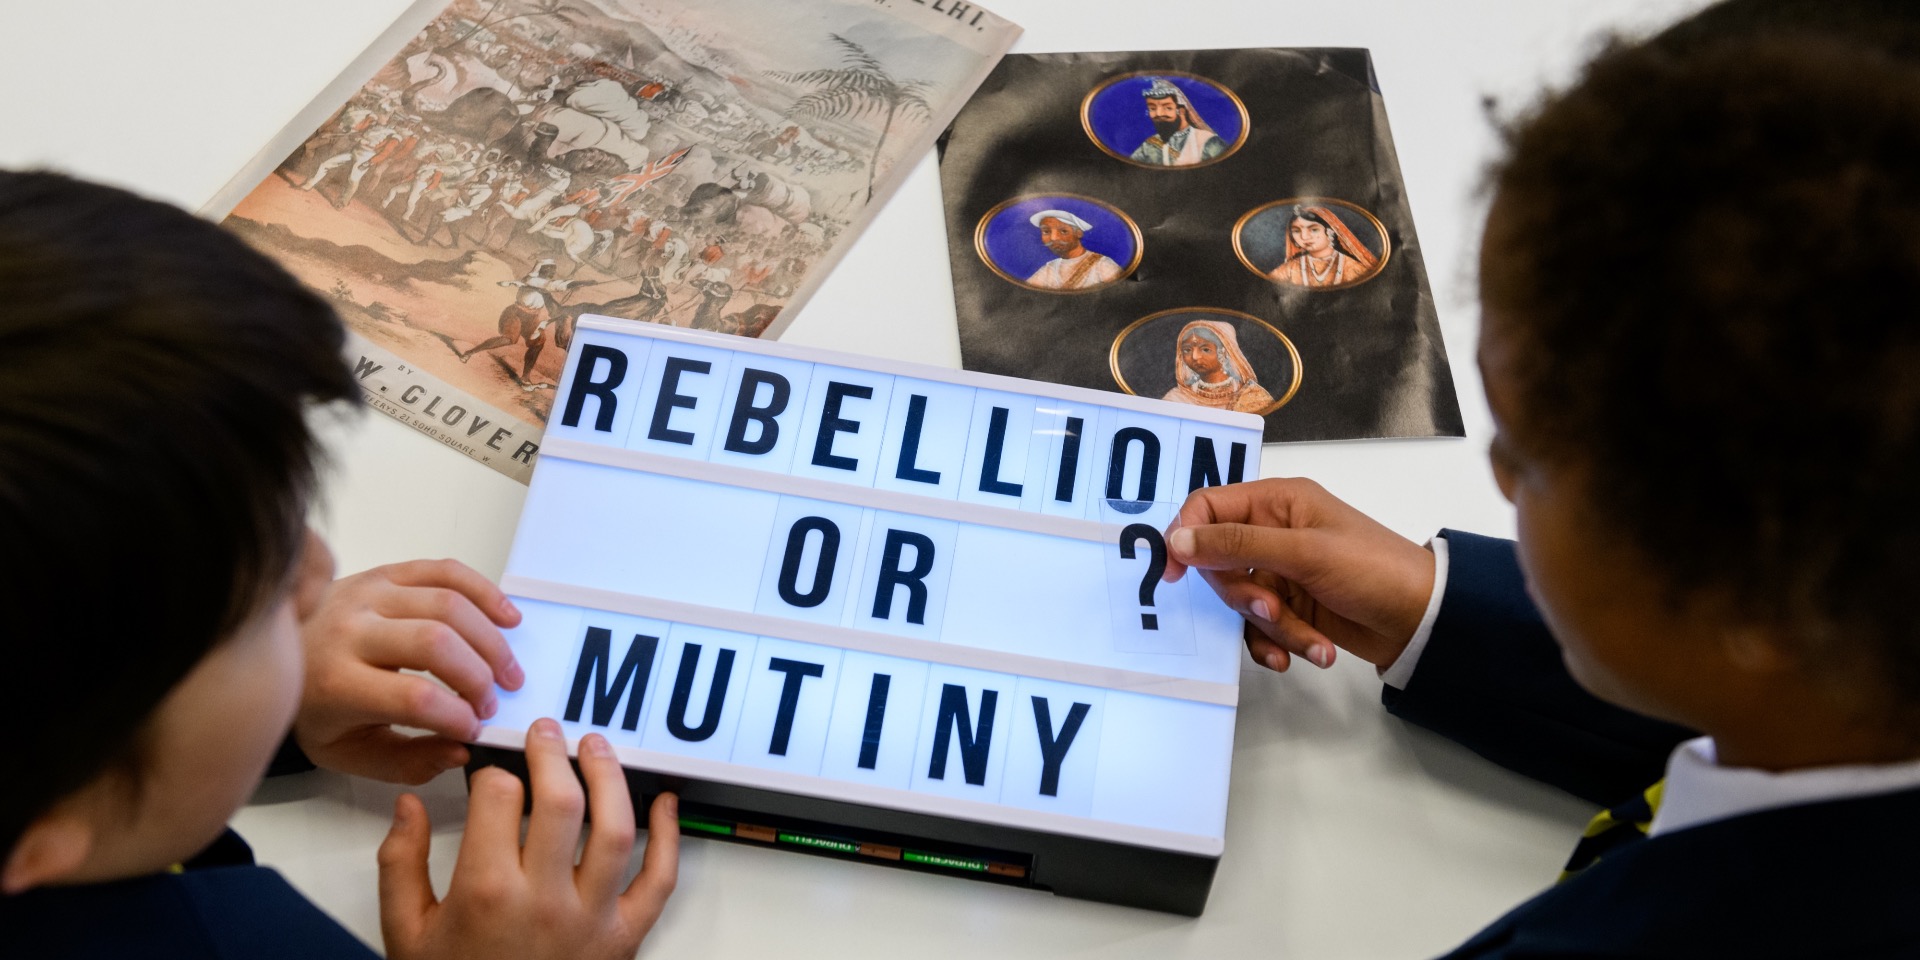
(627, 184)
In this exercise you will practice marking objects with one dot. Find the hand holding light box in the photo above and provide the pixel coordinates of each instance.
(879, 584)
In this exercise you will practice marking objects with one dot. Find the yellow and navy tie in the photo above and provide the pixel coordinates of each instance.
(1612, 829)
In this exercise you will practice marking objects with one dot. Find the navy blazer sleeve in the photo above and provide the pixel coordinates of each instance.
(1491, 678)
(220, 913)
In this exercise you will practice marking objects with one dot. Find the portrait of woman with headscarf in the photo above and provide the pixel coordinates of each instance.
(1209, 370)
(1322, 251)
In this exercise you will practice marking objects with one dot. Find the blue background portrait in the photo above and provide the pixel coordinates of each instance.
(1118, 112)
(1012, 244)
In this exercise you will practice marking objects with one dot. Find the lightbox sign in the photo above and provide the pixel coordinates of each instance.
(879, 583)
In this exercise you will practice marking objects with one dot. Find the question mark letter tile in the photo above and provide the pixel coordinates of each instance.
(1148, 616)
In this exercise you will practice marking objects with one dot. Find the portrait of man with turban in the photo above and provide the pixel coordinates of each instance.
(1073, 266)
(1182, 138)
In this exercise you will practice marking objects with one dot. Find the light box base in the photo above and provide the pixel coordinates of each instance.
(1067, 866)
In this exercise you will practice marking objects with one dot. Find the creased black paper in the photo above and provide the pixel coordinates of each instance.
(1180, 281)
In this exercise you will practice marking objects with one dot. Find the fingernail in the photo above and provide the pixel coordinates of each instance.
(673, 805)
(515, 675)
(546, 729)
(489, 707)
(597, 745)
(1321, 655)
(1273, 661)
(1181, 542)
(1263, 610)
(507, 609)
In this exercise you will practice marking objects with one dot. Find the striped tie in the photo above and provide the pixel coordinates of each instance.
(1613, 829)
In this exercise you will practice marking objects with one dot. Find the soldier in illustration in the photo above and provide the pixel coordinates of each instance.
(444, 160)
(339, 134)
(394, 153)
(1181, 137)
(366, 144)
(715, 293)
(472, 198)
(707, 262)
(630, 233)
(445, 189)
(571, 206)
(528, 316)
(1074, 267)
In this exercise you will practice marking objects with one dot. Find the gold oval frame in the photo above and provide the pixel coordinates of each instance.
(1113, 352)
(1386, 241)
(980, 242)
(1086, 121)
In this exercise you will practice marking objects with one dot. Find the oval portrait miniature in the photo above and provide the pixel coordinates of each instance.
(1165, 120)
(1312, 242)
(1058, 243)
(1208, 357)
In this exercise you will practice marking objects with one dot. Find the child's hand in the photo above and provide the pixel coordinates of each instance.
(436, 616)
(527, 902)
(1307, 571)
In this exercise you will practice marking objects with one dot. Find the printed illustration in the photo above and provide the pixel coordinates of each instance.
(521, 163)
(1165, 120)
(1058, 243)
(1311, 242)
(1209, 357)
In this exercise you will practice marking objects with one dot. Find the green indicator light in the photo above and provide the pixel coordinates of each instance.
(936, 860)
(822, 843)
(706, 826)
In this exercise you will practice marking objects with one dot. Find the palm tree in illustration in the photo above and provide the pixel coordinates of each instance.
(861, 87)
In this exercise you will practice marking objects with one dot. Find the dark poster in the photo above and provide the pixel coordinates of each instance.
(1219, 227)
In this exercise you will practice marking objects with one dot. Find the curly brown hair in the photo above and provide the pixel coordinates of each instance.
(1709, 247)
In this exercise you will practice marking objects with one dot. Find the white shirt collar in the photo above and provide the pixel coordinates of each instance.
(1699, 790)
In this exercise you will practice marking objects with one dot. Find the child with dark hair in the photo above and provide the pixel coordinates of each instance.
(175, 626)
(1699, 280)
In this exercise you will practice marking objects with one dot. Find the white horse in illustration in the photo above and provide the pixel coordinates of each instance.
(578, 240)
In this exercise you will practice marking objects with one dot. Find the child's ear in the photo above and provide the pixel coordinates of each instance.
(52, 848)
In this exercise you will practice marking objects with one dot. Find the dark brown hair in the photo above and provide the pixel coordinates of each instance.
(155, 460)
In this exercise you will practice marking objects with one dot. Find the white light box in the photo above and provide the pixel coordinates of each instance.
(881, 586)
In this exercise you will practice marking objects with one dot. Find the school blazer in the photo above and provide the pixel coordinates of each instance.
(220, 907)
(217, 913)
(1838, 879)
(212, 912)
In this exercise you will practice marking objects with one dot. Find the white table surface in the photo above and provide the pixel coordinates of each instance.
(1349, 834)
